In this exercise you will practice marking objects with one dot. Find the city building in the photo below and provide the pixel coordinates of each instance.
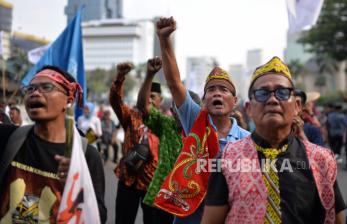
(5, 16)
(312, 76)
(94, 9)
(26, 42)
(5, 28)
(111, 41)
(240, 79)
(5, 44)
(295, 51)
(197, 70)
(254, 59)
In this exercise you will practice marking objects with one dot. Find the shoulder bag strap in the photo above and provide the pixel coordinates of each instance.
(12, 147)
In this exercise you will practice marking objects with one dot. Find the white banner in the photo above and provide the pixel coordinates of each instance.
(35, 55)
(78, 204)
(302, 13)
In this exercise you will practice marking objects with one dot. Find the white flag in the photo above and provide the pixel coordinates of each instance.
(302, 13)
(78, 204)
(35, 55)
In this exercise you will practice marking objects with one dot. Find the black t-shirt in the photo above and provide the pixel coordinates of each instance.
(36, 156)
(4, 119)
(300, 202)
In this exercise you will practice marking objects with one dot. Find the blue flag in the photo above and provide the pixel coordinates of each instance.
(66, 52)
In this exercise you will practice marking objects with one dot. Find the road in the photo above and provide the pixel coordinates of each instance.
(110, 194)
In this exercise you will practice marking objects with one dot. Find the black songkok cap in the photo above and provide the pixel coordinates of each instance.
(156, 87)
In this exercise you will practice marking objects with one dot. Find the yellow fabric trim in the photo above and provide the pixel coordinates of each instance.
(271, 215)
(5, 4)
(34, 170)
(270, 152)
(218, 73)
(222, 75)
(275, 65)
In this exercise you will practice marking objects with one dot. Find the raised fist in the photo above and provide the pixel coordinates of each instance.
(124, 68)
(165, 26)
(298, 126)
(153, 65)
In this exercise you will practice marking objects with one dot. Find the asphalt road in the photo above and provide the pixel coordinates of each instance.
(110, 194)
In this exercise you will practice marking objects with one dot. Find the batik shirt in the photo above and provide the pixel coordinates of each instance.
(300, 201)
(166, 129)
(131, 121)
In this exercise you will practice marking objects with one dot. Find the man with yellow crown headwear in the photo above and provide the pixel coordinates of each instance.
(272, 176)
(183, 192)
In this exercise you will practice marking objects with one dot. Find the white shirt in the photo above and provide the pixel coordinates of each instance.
(94, 123)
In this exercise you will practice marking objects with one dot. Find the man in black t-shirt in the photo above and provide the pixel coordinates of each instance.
(33, 183)
(4, 119)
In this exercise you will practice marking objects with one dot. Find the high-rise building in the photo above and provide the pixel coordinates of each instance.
(311, 76)
(5, 28)
(95, 9)
(295, 51)
(111, 41)
(5, 16)
(254, 58)
(197, 70)
(26, 42)
(240, 79)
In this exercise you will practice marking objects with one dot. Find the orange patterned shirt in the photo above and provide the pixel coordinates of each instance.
(131, 120)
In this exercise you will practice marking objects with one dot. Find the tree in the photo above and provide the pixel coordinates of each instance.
(99, 82)
(18, 65)
(328, 38)
(296, 68)
(15, 68)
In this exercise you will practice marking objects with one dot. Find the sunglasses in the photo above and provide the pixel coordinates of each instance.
(281, 94)
(44, 87)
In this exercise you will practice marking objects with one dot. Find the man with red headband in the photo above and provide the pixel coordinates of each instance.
(33, 180)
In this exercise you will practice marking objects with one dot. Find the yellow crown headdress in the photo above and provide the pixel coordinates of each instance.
(276, 66)
(218, 73)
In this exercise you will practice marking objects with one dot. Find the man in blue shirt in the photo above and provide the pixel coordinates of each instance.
(311, 132)
(219, 99)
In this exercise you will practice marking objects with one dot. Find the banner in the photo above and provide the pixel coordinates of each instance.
(78, 204)
(185, 188)
(302, 13)
(36, 54)
(66, 52)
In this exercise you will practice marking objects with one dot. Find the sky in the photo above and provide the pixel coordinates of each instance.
(224, 29)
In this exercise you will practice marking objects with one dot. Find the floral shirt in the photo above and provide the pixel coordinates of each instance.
(169, 134)
(131, 120)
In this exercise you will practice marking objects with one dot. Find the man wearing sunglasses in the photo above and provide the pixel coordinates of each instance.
(280, 179)
(34, 180)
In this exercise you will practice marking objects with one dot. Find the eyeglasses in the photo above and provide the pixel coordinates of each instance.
(281, 94)
(44, 87)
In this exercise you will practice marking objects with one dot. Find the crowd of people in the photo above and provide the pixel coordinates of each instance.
(209, 160)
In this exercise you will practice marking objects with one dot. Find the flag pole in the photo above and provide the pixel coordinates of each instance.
(3, 68)
(69, 123)
(14, 93)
